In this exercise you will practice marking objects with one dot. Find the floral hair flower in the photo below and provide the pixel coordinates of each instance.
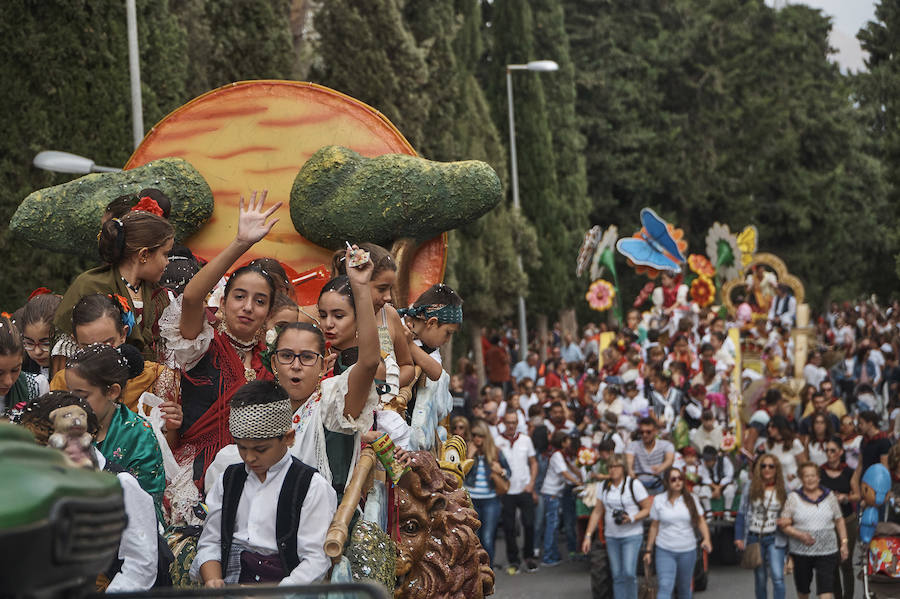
(148, 204)
(127, 314)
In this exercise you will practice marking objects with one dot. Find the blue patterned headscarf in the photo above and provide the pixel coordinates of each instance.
(445, 313)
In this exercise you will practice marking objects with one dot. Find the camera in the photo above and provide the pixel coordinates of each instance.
(619, 516)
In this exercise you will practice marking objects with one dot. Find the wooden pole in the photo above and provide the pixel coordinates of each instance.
(338, 531)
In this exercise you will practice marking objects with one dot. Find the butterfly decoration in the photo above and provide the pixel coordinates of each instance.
(658, 246)
(747, 241)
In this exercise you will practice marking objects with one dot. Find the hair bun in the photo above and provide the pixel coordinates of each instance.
(133, 358)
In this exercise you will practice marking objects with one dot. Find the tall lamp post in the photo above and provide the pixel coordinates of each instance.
(535, 65)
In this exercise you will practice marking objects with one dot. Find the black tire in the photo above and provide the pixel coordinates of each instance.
(601, 579)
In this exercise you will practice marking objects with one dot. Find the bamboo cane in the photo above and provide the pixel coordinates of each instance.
(337, 532)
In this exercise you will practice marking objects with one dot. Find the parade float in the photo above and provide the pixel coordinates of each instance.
(731, 278)
(344, 173)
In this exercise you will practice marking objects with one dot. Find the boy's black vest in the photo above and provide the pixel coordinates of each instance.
(287, 515)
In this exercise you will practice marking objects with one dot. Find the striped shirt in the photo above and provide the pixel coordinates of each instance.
(482, 488)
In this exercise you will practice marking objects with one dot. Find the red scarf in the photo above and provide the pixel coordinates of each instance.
(211, 432)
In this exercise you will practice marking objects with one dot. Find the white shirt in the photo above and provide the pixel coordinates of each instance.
(137, 549)
(568, 427)
(254, 525)
(518, 454)
(554, 482)
(706, 477)
(618, 498)
(814, 375)
(676, 531)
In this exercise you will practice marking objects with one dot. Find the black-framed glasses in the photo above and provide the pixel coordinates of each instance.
(30, 345)
(286, 357)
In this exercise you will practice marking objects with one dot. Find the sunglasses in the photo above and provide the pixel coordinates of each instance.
(767, 466)
(675, 479)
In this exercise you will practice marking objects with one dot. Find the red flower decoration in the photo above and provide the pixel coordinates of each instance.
(39, 291)
(296, 418)
(701, 265)
(6, 315)
(122, 302)
(703, 291)
(148, 204)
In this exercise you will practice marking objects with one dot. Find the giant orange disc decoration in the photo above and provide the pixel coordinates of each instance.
(256, 135)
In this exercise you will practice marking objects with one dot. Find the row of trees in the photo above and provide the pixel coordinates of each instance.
(705, 110)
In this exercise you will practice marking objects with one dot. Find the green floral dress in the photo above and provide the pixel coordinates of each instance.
(131, 444)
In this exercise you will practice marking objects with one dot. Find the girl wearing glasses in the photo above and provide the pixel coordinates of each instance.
(36, 325)
(675, 516)
(16, 386)
(757, 522)
(330, 417)
(838, 476)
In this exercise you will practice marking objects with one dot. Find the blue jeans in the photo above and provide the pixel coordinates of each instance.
(623, 558)
(568, 518)
(675, 570)
(551, 523)
(489, 514)
(773, 565)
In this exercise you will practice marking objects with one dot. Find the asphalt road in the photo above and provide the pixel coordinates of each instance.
(571, 580)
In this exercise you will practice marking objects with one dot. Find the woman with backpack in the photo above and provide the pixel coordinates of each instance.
(622, 503)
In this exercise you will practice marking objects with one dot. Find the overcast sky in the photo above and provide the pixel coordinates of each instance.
(849, 16)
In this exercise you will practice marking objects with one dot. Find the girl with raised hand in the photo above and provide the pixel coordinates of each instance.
(16, 386)
(99, 375)
(391, 333)
(105, 319)
(217, 354)
(135, 249)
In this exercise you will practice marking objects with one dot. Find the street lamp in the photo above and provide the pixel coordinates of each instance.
(540, 66)
(64, 162)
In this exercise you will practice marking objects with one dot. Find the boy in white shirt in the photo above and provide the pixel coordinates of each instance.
(272, 509)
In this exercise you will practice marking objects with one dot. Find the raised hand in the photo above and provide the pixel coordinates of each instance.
(252, 223)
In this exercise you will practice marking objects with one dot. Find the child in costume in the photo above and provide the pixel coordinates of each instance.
(16, 386)
(99, 374)
(140, 563)
(432, 320)
(268, 516)
(36, 325)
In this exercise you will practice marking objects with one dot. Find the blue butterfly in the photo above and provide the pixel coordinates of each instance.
(655, 248)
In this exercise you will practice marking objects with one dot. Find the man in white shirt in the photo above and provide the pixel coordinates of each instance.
(526, 368)
(521, 496)
(716, 479)
(708, 433)
(556, 420)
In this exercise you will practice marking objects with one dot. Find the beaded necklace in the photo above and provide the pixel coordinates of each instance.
(241, 347)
